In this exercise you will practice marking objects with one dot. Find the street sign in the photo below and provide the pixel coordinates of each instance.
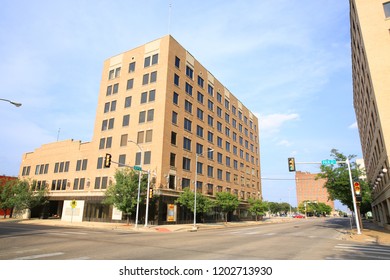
(328, 161)
(73, 204)
(138, 168)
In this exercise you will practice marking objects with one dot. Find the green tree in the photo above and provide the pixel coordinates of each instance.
(124, 193)
(23, 197)
(257, 207)
(227, 202)
(338, 183)
(187, 199)
(6, 196)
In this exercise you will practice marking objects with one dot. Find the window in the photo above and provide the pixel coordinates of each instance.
(210, 171)
(186, 164)
(219, 112)
(177, 62)
(130, 84)
(126, 120)
(187, 124)
(386, 7)
(227, 105)
(111, 123)
(124, 138)
(122, 160)
(186, 183)
(176, 80)
(145, 79)
(200, 81)
(219, 174)
(147, 157)
(131, 67)
(186, 144)
(140, 137)
(199, 114)
(189, 72)
(150, 115)
(138, 158)
(115, 89)
(199, 148)
(147, 61)
(199, 131)
(210, 121)
(153, 77)
(219, 158)
(142, 116)
(173, 138)
(219, 126)
(219, 142)
(188, 106)
(188, 89)
(200, 97)
(109, 90)
(210, 105)
(219, 97)
(174, 117)
(210, 136)
(172, 160)
(199, 168)
(128, 102)
(175, 98)
(148, 135)
(144, 97)
(155, 59)
(210, 90)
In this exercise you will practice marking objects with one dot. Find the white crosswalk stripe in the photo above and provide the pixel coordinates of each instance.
(364, 251)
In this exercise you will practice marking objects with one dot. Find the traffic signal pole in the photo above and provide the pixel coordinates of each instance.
(292, 163)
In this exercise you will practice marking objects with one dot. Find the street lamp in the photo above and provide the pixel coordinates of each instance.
(139, 181)
(194, 228)
(17, 104)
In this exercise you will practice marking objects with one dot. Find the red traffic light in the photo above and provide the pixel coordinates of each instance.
(356, 186)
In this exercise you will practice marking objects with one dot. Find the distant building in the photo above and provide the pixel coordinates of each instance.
(310, 189)
(160, 109)
(370, 25)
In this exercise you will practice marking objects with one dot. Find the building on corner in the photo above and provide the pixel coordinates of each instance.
(158, 108)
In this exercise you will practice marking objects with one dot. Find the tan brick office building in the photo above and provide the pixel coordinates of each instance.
(159, 99)
(310, 189)
(370, 41)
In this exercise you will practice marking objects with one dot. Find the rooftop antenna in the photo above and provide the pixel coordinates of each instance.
(58, 133)
(169, 18)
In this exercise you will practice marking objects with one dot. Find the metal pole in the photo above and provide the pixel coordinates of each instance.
(139, 182)
(353, 198)
(147, 200)
(195, 190)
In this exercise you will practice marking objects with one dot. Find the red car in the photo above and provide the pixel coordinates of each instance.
(299, 216)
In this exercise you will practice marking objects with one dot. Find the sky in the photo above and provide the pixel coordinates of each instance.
(289, 62)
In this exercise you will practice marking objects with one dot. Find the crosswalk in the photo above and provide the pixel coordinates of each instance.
(361, 252)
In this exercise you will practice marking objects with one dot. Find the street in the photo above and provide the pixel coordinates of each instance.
(311, 239)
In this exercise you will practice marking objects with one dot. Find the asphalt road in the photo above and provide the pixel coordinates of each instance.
(312, 239)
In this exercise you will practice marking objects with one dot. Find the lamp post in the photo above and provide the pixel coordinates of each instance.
(139, 182)
(194, 228)
(147, 200)
(17, 104)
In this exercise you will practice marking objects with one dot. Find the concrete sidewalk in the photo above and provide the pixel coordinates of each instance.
(370, 233)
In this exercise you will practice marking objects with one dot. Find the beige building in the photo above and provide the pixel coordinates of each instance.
(310, 189)
(370, 40)
(160, 109)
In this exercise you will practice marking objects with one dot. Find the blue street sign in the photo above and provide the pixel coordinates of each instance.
(328, 161)
(138, 168)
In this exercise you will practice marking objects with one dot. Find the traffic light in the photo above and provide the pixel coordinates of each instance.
(107, 160)
(358, 195)
(150, 193)
(291, 164)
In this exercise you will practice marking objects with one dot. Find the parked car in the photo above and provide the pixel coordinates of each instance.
(299, 216)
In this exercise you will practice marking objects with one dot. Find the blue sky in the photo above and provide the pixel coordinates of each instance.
(289, 62)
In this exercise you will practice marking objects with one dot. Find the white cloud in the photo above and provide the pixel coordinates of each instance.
(272, 123)
(285, 143)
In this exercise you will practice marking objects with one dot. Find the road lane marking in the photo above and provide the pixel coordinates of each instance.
(32, 257)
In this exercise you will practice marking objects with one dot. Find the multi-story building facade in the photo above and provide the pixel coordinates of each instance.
(311, 189)
(160, 109)
(370, 25)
